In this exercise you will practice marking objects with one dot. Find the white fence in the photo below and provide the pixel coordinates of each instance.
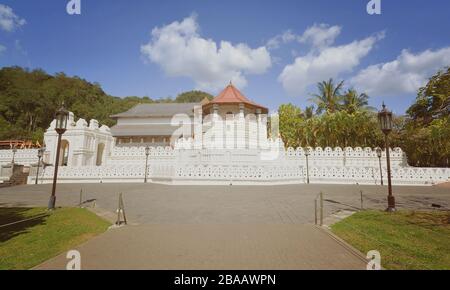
(244, 174)
(205, 166)
(348, 157)
(22, 156)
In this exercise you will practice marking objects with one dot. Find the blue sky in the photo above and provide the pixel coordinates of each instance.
(275, 51)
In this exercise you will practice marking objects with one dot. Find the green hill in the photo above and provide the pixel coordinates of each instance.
(29, 98)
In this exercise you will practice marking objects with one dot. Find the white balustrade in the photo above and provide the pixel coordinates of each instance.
(22, 156)
(239, 166)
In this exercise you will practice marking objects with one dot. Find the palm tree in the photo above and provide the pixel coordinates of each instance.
(308, 113)
(329, 97)
(353, 102)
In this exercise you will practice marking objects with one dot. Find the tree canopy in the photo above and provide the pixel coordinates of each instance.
(426, 132)
(192, 97)
(347, 120)
(28, 98)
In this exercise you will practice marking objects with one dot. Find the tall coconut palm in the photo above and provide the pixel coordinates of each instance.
(329, 97)
(353, 102)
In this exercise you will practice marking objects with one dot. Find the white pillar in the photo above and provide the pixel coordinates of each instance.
(217, 128)
(241, 128)
(259, 133)
(198, 127)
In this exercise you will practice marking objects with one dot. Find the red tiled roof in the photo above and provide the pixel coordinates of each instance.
(231, 95)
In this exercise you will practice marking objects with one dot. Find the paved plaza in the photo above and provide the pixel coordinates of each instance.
(284, 204)
(219, 227)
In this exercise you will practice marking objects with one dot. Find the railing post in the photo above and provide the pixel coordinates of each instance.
(362, 205)
(315, 211)
(321, 208)
(81, 198)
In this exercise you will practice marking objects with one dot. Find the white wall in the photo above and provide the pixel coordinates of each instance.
(210, 166)
(188, 164)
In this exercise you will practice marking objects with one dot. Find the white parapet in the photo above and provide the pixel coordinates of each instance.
(25, 157)
(89, 154)
(243, 166)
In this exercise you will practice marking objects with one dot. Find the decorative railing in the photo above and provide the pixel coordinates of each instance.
(349, 165)
(246, 174)
(22, 156)
(348, 157)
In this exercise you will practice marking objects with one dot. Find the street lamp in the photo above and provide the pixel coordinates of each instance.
(61, 116)
(385, 120)
(14, 150)
(307, 153)
(379, 151)
(40, 155)
(147, 152)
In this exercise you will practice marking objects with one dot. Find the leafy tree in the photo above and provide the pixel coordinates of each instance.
(308, 113)
(192, 97)
(329, 97)
(354, 101)
(433, 100)
(290, 117)
(425, 133)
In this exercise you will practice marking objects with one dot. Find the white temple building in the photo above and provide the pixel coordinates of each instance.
(227, 140)
(228, 121)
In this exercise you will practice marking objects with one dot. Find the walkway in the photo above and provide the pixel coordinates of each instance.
(237, 246)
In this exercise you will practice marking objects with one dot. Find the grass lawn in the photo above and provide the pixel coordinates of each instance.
(27, 244)
(405, 239)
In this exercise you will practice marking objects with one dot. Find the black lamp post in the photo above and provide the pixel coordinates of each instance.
(147, 152)
(385, 120)
(40, 155)
(307, 153)
(61, 117)
(379, 151)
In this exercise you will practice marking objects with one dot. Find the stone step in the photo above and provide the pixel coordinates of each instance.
(19, 178)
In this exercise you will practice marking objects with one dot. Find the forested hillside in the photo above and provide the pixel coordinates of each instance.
(28, 100)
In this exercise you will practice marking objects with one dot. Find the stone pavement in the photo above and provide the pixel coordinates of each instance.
(164, 204)
(219, 227)
(221, 247)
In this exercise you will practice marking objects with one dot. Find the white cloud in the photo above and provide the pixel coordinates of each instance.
(285, 37)
(2, 49)
(321, 35)
(406, 74)
(318, 35)
(328, 62)
(9, 21)
(181, 51)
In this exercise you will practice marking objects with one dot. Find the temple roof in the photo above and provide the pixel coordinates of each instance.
(158, 110)
(231, 95)
(144, 130)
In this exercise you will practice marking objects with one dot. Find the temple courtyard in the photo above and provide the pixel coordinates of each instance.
(220, 227)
